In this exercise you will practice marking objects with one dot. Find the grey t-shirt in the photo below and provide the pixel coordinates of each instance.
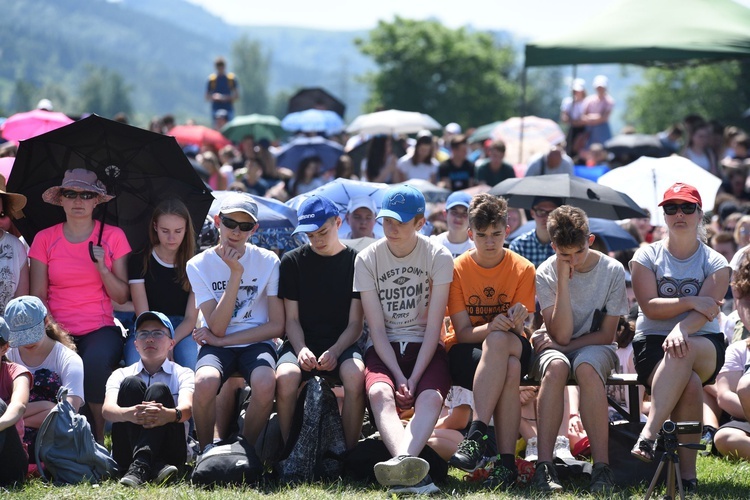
(403, 284)
(603, 286)
(676, 278)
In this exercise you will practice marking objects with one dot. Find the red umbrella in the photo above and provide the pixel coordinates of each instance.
(198, 135)
(22, 126)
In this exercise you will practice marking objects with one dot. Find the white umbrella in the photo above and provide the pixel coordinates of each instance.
(340, 191)
(646, 179)
(392, 122)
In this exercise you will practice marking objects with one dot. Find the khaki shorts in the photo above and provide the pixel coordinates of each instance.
(601, 357)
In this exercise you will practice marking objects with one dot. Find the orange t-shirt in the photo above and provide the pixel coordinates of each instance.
(485, 293)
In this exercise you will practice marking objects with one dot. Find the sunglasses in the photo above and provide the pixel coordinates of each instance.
(146, 334)
(540, 212)
(233, 224)
(687, 208)
(72, 195)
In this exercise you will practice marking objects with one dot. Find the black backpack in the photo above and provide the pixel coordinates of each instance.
(316, 442)
(229, 462)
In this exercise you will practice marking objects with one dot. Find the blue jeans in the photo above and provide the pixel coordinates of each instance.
(185, 351)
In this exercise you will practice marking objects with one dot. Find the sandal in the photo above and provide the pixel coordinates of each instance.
(644, 449)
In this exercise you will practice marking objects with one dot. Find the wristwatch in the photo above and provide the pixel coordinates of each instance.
(178, 415)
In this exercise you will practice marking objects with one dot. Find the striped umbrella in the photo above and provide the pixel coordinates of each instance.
(526, 136)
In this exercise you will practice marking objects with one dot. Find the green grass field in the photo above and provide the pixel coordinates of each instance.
(719, 479)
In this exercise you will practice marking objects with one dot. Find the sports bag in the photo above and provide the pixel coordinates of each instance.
(67, 448)
(229, 462)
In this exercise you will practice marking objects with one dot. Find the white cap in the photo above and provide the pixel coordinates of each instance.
(601, 81)
(453, 128)
(362, 201)
(578, 85)
(45, 104)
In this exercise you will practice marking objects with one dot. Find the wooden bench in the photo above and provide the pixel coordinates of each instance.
(627, 379)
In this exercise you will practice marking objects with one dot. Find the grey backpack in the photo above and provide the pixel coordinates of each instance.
(66, 446)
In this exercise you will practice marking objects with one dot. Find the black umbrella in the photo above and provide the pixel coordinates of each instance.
(596, 200)
(315, 97)
(626, 148)
(139, 167)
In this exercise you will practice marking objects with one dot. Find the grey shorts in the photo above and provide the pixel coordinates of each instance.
(287, 355)
(601, 357)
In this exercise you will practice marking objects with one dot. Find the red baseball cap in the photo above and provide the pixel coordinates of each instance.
(681, 192)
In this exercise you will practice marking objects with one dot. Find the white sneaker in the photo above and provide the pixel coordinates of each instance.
(532, 454)
(562, 448)
(403, 470)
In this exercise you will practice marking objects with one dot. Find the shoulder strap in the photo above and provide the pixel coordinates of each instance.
(40, 438)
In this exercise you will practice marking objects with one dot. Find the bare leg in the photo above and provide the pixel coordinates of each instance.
(508, 409)
(207, 381)
(733, 442)
(689, 408)
(743, 392)
(262, 389)
(497, 348)
(445, 442)
(550, 402)
(711, 409)
(98, 421)
(288, 378)
(594, 413)
(352, 374)
(671, 377)
(383, 404)
(226, 406)
(426, 412)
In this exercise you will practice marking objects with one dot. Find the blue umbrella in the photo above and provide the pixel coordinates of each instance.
(614, 237)
(300, 148)
(313, 120)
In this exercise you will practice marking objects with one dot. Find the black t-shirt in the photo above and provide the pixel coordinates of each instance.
(323, 288)
(484, 173)
(163, 292)
(460, 176)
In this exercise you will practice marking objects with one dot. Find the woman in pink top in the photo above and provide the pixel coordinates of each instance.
(77, 291)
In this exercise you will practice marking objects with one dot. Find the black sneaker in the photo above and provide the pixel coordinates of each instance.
(602, 479)
(545, 478)
(165, 474)
(424, 487)
(690, 486)
(501, 477)
(138, 474)
(468, 456)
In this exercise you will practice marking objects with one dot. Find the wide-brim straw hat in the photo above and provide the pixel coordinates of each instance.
(13, 202)
(78, 178)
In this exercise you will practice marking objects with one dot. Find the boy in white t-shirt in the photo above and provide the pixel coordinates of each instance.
(403, 281)
(456, 238)
(236, 289)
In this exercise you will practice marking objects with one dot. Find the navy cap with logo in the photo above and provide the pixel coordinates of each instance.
(314, 212)
(155, 316)
(402, 203)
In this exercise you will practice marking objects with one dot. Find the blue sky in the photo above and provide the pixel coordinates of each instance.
(530, 18)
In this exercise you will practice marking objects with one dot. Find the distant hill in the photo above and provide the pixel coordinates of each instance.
(164, 49)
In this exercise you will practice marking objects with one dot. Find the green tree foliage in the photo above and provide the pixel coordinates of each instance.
(719, 91)
(251, 65)
(104, 92)
(452, 75)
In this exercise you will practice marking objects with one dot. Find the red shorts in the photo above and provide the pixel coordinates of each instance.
(436, 376)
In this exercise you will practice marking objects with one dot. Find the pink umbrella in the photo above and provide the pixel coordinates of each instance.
(22, 126)
(198, 135)
(6, 165)
(527, 136)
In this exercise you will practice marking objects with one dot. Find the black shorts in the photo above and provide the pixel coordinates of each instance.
(230, 360)
(287, 355)
(464, 359)
(647, 352)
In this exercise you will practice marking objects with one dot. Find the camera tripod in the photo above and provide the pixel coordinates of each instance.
(668, 440)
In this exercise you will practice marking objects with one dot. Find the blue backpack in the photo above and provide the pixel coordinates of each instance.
(66, 446)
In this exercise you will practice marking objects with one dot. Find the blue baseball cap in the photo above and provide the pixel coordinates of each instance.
(314, 212)
(458, 198)
(156, 316)
(25, 317)
(402, 203)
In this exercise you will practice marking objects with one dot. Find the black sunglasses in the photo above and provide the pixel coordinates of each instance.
(687, 208)
(84, 195)
(232, 224)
